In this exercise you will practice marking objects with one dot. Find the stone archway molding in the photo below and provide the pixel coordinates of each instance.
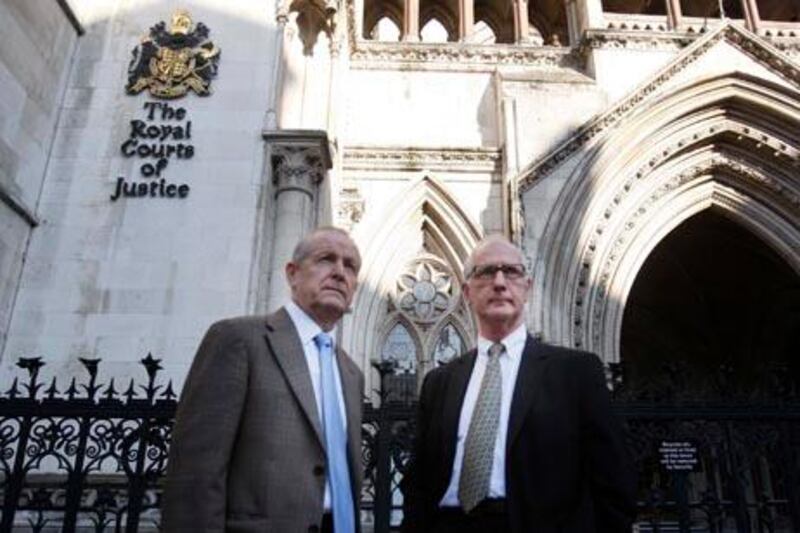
(424, 210)
(730, 143)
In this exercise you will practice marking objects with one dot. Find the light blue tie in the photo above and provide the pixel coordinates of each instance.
(335, 441)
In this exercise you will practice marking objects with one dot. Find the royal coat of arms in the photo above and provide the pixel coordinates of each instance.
(170, 63)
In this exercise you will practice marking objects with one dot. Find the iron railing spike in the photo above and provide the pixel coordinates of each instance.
(13, 391)
(169, 393)
(130, 394)
(52, 391)
(110, 393)
(72, 391)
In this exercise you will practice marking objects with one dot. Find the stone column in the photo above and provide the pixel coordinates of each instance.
(573, 22)
(590, 15)
(466, 19)
(521, 30)
(674, 14)
(411, 20)
(299, 161)
(752, 17)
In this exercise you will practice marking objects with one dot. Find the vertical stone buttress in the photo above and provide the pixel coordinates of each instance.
(521, 31)
(411, 20)
(752, 17)
(299, 161)
(466, 19)
(674, 14)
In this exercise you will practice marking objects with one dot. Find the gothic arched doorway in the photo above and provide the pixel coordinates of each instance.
(709, 348)
(712, 296)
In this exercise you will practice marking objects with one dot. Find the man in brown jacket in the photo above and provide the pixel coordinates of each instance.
(267, 434)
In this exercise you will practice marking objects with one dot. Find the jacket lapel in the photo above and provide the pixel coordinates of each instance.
(454, 398)
(531, 369)
(284, 341)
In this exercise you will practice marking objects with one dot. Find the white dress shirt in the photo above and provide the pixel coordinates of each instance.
(307, 329)
(509, 367)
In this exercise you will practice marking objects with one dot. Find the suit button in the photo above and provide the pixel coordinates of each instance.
(319, 470)
(314, 528)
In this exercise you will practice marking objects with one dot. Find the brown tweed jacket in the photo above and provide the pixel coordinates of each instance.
(248, 452)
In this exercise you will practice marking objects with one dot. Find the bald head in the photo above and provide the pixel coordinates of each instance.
(306, 244)
(495, 240)
(323, 274)
(497, 286)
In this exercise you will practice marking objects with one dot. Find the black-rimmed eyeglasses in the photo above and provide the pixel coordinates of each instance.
(487, 272)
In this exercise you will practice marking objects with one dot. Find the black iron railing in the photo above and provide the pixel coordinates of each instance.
(92, 457)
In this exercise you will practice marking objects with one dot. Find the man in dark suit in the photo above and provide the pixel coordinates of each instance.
(268, 431)
(516, 436)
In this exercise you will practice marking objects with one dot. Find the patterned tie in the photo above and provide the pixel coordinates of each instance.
(476, 468)
(335, 441)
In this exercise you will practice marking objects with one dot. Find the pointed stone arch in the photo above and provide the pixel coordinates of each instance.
(501, 23)
(441, 12)
(408, 326)
(426, 220)
(375, 11)
(462, 327)
(729, 143)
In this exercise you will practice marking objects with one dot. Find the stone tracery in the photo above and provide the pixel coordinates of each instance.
(425, 312)
(735, 149)
(731, 34)
(542, 23)
(411, 280)
(425, 291)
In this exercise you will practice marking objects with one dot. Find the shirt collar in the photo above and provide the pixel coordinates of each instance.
(514, 342)
(307, 329)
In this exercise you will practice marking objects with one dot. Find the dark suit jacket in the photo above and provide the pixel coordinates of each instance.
(567, 467)
(248, 453)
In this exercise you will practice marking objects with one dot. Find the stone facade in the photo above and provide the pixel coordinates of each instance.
(584, 135)
(36, 47)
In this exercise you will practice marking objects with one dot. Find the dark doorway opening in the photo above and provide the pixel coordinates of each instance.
(716, 299)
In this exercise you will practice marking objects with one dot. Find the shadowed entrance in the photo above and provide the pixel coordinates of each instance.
(713, 298)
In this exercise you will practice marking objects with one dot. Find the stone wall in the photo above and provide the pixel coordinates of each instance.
(120, 278)
(36, 46)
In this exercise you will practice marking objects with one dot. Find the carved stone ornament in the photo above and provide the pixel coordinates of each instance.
(460, 56)
(351, 207)
(453, 57)
(170, 63)
(424, 292)
(453, 159)
(649, 40)
(297, 168)
(720, 163)
(745, 41)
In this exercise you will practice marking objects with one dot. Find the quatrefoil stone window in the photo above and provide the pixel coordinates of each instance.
(424, 292)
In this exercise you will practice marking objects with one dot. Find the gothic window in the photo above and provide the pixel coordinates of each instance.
(779, 10)
(386, 30)
(731, 9)
(427, 321)
(434, 32)
(484, 34)
(548, 25)
(448, 345)
(641, 7)
(492, 21)
(400, 347)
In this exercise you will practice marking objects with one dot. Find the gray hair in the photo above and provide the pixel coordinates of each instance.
(493, 238)
(304, 248)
